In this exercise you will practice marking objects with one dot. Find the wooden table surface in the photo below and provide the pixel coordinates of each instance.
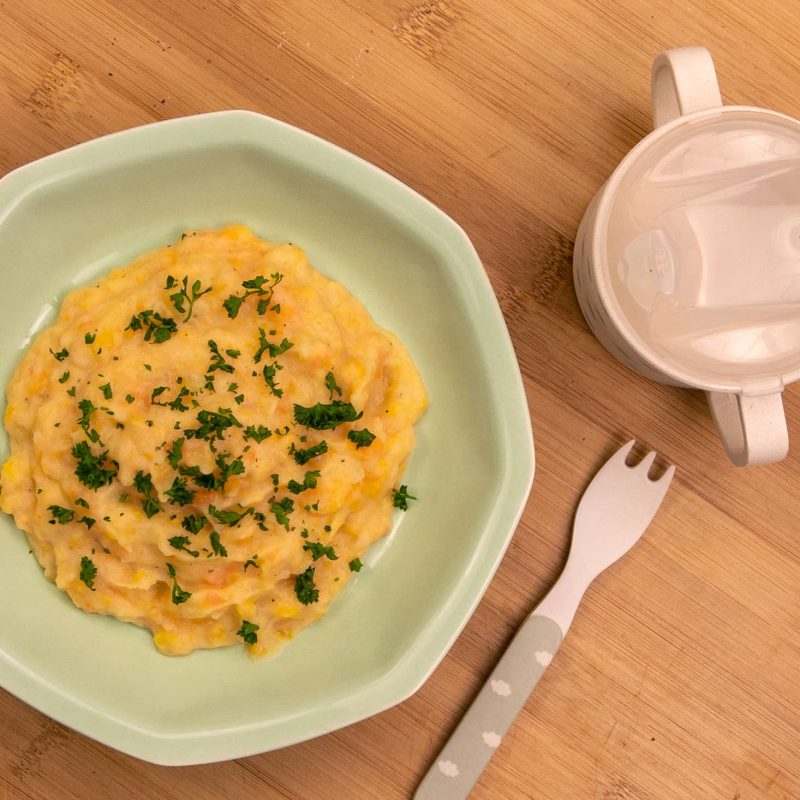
(681, 675)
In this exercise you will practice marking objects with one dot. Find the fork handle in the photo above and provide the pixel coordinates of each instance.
(478, 735)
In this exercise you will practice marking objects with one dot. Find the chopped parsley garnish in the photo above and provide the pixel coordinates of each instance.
(318, 550)
(304, 587)
(60, 515)
(87, 408)
(281, 509)
(205, 480)
(193, 523)
(213, 424)
(248, 632)
(355, 565)
(274, 350)
(362, 438)
(79, 501)
(276, 479)
(64, 378)
(239, 399)
(60, 355)
(89, 338)
(325, 416)
(304, 456)
(175, 404)
(233, 353)
(144, 485)
(184, 299)
(106, 390)
(255, 286)
(218, 361)
(228, 469)
(270, 370)
(178, 595)
(180, 543)
(175, 452)
(228, 516)
(400, 497)
(157, 328)
(178, 493)
(251, 562)
(129, 398)
(88, 572)
(217, 547)
(332, 386)
(257, 434)
(71, 391)
(87, 521)
(309, 482)
(90, 470)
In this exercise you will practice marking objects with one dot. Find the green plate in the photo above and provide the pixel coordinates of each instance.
(69, 218)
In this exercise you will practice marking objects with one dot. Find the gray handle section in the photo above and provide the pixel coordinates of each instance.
(481, 730)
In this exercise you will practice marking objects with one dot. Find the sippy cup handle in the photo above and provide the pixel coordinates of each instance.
(684, 81)
(752, 427)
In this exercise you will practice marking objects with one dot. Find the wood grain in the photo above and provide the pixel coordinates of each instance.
(681, 676)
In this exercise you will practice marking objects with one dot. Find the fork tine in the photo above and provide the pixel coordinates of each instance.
(666, 478)
(647, 462)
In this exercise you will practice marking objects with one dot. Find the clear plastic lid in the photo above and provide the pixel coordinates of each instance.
(703, 245)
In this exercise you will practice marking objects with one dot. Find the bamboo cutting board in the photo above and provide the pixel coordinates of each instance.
(681, 675)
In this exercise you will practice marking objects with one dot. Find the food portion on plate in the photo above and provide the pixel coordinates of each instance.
(206, 442)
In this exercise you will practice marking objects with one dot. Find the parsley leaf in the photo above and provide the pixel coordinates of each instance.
(227, 470)
(218, 361)
(87, 408)
(304, 587)
(176, 404)
(180, 542)
(355, 565)
(323, 416)
(248, 632)
(144, 485)
(88, 572)
(60, 355)
(281, 509)
(304, 456)
(193, 523)
(175, 452)
(318, 550)
(157, 329)
(88, 522)
(89, 469)
(89, 338)
(106, 390)
(400, 498)
(228, 516)
(270, 370)
(331, 385)
(178, 493)
(255, 286)
(257, 434)
(129, 398)
(178, 595)
(362, 438)
(309, 482)
(251, 562)
(79, 501)
(64, 378)
(182, 299)
(217, 546)
(60, 515)
(213, 424)
(274, 350)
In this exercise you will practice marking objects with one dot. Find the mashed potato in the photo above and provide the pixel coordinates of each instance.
(206, 441)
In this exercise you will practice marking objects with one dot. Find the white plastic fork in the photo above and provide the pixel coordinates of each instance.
(613, 513)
